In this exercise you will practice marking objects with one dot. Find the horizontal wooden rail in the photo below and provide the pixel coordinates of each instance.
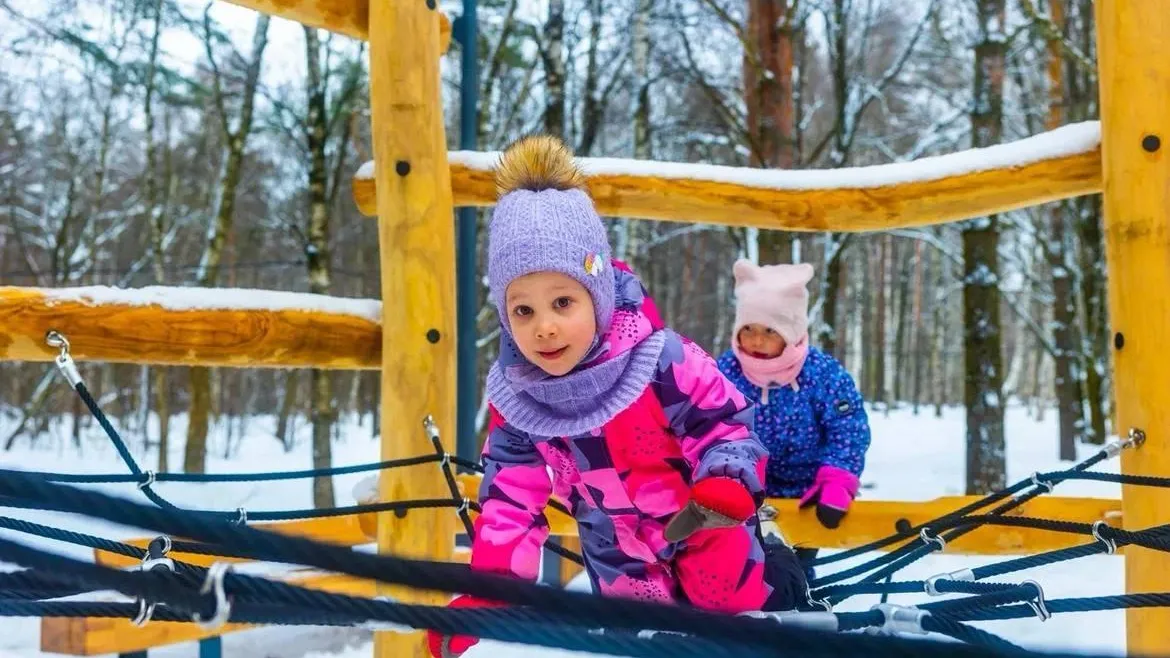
(1059, 164)
(87, 637)
(193, 326)
(869, 520)
(348, 17)
(340, 530)
(91, 637)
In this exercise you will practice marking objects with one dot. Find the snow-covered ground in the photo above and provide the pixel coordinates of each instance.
(912, 458)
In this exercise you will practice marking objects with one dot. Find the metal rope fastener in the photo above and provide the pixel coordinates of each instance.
(64, 361)
(1038, 606)
(1135, 438)
(223, 607)
(899, 619)
(155, 558)
(935, 539)
(963, 575)
(1037, 482)
(1110, 545)
(148, 479)
(821, 603)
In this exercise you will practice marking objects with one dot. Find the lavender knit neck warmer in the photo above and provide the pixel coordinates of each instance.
(613, 374)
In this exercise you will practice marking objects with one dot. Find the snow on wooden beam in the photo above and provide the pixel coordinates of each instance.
(193, 326)
(348, 17)
(1058, 164)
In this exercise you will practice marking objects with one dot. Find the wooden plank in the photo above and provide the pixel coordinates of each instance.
(340, 530)
(870, 520)
(1135, 114)
(91, 636)
(348, 17)
(800, 207)
(416, 238)
(190, 326)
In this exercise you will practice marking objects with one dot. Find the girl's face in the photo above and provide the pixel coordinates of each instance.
(760, 341)
(552, 321)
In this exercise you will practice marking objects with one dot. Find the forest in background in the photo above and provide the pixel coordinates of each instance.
(172, 142)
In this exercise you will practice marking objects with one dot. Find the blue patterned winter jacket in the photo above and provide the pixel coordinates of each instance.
(822, 422)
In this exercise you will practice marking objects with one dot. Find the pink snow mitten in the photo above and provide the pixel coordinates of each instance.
(832, 491)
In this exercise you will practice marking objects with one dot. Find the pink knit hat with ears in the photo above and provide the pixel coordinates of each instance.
(775, 296)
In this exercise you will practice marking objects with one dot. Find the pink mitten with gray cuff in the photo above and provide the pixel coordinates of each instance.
(832, 492)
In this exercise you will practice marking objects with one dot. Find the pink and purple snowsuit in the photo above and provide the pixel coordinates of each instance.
(624, 480)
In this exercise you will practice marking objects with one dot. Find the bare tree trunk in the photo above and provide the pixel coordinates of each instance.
(905, 322)
(288, 405)
(916, 343)
(318, 253)
(880, 313)
(771, 112)
(983, 359)
(831, 292)
(195, 452)
(939, 360)
(154, 205)
(634, 231)
(554, 68)
(869, 331)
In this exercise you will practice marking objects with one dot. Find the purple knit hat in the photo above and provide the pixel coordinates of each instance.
(544, 221)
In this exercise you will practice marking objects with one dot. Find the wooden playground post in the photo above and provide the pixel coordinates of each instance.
(416, 235)
(1135, 117)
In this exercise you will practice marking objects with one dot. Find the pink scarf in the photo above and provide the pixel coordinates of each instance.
(778, 371)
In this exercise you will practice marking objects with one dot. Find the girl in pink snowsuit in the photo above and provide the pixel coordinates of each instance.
(594, 401)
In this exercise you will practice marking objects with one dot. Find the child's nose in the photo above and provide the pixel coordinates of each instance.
(546, 330)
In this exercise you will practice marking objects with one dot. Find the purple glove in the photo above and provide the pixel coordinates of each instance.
(832, 491)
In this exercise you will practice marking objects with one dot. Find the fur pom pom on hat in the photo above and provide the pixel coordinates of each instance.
(545, 221)
(775, 296)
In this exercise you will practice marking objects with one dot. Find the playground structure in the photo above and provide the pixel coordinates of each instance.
(416, 183)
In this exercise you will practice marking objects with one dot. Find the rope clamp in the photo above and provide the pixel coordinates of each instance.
(64, 361)
(1037, 482)
(936, 539)
(431, 428)
(899, 619)
(464, 505)
(243, 516)
(147, 480)
(931, 585)
(1110, 545)
(445, 462)
(1038, 606)
(155, 557)
(223, 607)
(816, 621)
(820, 603)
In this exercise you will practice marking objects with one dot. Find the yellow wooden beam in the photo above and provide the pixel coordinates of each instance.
(192, 326)
(416, 238)
(1135, 117)
(869, 520)
(858, 199)
(97, 636)
(348, 17)
(340, 530)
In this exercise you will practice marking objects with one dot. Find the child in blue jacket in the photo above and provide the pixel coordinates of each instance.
(809, 414)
